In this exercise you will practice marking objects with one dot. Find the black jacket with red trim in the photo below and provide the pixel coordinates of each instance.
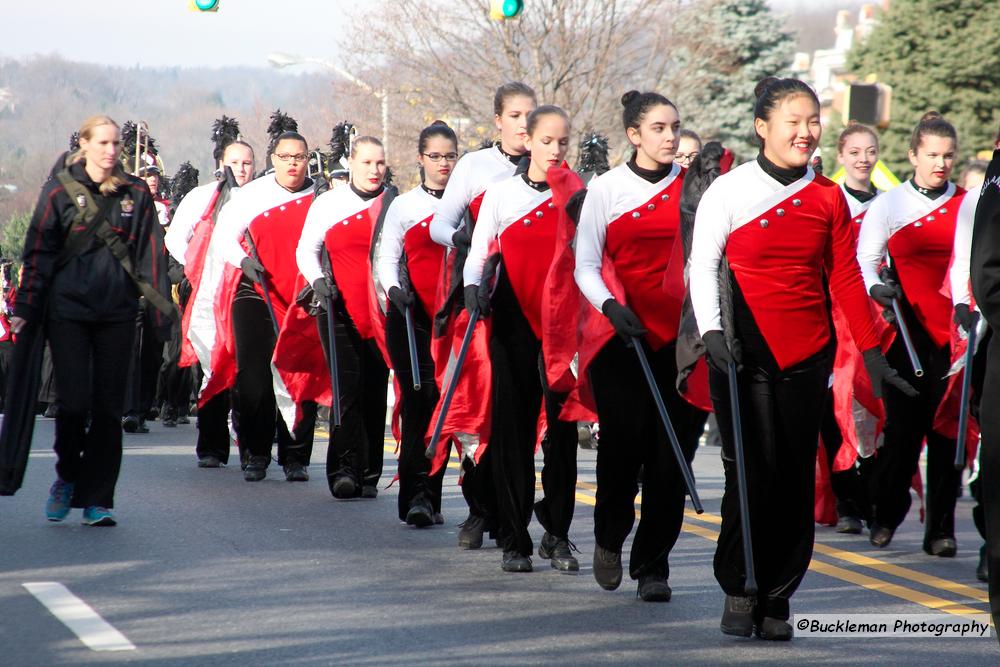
(92, 286)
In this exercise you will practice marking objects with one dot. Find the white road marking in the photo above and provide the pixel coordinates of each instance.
(96, 633)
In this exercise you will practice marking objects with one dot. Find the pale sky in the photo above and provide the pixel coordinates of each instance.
(242, 32)
(159, 33)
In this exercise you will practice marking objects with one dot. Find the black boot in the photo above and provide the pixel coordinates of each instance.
(737, 616)
(515, 561)
(607, 568)
(558, 552)
(256, 469)
(471, 534)
(420, 514)
(654, 588)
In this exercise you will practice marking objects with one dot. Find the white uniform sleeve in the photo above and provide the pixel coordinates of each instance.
(591, 235)
(487, 227)
(186, 216)
(873, 239)
(234, 219)
(318, 221)
(455, 200)
(391, 247)
(712, 225)
(958, 275)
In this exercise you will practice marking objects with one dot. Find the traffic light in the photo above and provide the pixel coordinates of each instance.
(203, 5)
(868, 103)
(502, 10)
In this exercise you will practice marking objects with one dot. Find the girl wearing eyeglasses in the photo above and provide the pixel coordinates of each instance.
(339, 230)
(409, 265)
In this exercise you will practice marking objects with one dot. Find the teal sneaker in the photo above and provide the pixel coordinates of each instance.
(57, 507)
(98, 516)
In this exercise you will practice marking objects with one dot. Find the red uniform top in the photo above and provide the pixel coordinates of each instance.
(782, 242)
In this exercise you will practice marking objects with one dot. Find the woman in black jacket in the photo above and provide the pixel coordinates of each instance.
(87, 302)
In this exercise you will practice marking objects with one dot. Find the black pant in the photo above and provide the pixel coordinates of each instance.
(989, 471)
(176, 381)
(846, 484)
(87, 361)
(781, 414)
(213, 428)
(632, 435)
(144, 370)
(416, 408)
(518, 390)
(909, 421)
(259, 418)
(356, 448)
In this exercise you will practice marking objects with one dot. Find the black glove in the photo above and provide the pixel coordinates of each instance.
(477, 298)
(718, 353)
(325, 289)
(462, 239)
(881, 374)
(965, 318)
(400, 298)
(253, 269)
(885, 294)
(625, 322)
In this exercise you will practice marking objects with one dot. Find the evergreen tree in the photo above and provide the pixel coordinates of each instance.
(735, 44)
(941, 55)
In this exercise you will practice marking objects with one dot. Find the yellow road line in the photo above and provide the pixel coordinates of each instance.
(830, 570)
(915, 576)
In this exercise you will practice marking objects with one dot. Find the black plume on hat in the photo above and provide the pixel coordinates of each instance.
(340, 141)
(74, 142)
(184, 181)
(593, 154)
(225, 131)
(280, 123)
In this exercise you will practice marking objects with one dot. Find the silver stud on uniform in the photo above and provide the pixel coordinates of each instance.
(930, 218)
(527, 221)
(635, 214)
(664, 197)
(763, 223)
(650, 207)
(796, 202)
(780, 212)
(918, 224)
(539, 214)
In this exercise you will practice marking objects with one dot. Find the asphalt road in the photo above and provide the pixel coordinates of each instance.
(206, 569)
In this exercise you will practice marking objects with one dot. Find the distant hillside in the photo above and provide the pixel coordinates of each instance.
(49, 97)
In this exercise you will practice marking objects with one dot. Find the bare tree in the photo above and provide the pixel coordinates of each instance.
(444, 60)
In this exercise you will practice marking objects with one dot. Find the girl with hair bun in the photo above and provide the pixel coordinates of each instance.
(772, 243)
(911, 229)
(518, 215)
(630, 220)
(409, 266)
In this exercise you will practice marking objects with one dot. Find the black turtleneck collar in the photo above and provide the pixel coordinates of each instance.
(930, 193)
(78, 170)
(437, 194)
(513, 158)
(785, 176)
(365, 196)
(651, 175)
(861, 195)
(541, 186)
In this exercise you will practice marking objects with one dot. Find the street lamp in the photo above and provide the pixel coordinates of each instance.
(280, 60)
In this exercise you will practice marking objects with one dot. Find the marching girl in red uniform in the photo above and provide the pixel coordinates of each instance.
(912, 227)
(857, 152)
(631, 219)
(781, 233)
(409, 266)
(518, 214)
(463, 197)
(340, 224)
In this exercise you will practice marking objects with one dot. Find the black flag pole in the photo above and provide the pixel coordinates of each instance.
(750, 585)
(665, 418)
(963, 409)
(452, 384)
(411, 338)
